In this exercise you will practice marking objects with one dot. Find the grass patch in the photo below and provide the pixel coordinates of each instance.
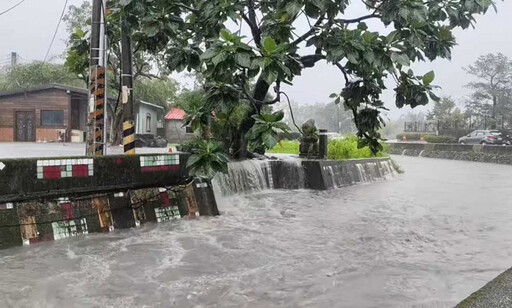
(336, 149)
(347, 149)
(285, 147)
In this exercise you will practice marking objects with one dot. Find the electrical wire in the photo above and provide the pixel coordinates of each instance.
(12, 7)
(55, 33)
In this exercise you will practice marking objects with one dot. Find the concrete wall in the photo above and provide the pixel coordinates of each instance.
(330, 174)
(48, 199)
(495, 294)
(480, 153)
(175, 132)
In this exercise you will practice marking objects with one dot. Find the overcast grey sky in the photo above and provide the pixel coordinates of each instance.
(28, 30)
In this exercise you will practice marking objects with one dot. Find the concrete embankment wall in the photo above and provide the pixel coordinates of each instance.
(53, 198)
(479, 153)
(330, 174)
(496, 294)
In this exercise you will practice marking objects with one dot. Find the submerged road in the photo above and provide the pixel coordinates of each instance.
(427, 238)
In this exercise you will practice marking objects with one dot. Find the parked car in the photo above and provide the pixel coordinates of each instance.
(482, 137)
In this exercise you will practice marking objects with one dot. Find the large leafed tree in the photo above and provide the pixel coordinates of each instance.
(195, 35)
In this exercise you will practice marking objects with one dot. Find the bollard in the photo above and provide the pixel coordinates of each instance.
(322, 148)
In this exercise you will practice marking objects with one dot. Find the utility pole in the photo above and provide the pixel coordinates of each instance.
(95, 145)
(14, 59)
(127, 89)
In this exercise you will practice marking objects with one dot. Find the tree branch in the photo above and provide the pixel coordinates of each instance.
(359, 19)
(310, 60)
(147, 75)
(256, 33)
(253, 24)
(303, 37)
(195, 11)
(342, 69)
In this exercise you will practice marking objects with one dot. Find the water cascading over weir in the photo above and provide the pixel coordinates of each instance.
(255, 175)
(53, 198)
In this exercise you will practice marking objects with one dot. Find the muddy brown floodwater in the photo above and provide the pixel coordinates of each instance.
(427, 238)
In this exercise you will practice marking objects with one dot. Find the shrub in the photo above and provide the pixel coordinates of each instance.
(347, 149)
(439, 139)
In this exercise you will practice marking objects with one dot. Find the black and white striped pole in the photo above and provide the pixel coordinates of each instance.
(127, 90)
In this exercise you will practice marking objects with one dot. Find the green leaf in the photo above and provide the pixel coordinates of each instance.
(362, 26)
(428, 78)
(401, 59)
(368, 37)
(193, 160)
(281, 126)
(333, 95)
(208, 54)
(151, 29)
(269, 141)
(270, 76)
(220, 57)
(391, 36)
(293, 7)
(278, 115)
(352, 58)
(243, 60)
(269, 45)
(225, 34)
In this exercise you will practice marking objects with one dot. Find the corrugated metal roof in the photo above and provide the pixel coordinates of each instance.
(152, 105)
(175, 114)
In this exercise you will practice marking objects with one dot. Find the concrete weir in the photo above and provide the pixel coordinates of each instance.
(253, 175)
(45, 199)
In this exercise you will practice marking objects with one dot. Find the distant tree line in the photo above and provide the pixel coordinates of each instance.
(488, 106)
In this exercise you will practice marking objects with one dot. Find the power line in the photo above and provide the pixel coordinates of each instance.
(12, 7)
(55, 33)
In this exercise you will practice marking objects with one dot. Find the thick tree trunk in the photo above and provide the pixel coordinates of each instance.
(493, 112)
(240, 145)
(494, 103)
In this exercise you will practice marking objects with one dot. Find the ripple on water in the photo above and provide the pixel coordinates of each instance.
(426, 238)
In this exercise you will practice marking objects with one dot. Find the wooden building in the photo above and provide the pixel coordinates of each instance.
(56, 112)
(42, 113)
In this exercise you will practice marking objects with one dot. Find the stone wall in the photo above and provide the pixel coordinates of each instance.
(495, 294)
(478, 153)
(53, 198)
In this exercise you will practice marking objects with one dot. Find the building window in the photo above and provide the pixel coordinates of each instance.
(148, 122)
(52, 117)
(189, 130)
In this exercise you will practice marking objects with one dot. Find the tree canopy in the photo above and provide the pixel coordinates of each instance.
(194, 35)
(492, 93)
(34, 74)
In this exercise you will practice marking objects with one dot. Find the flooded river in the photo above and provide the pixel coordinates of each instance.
(427, 238)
